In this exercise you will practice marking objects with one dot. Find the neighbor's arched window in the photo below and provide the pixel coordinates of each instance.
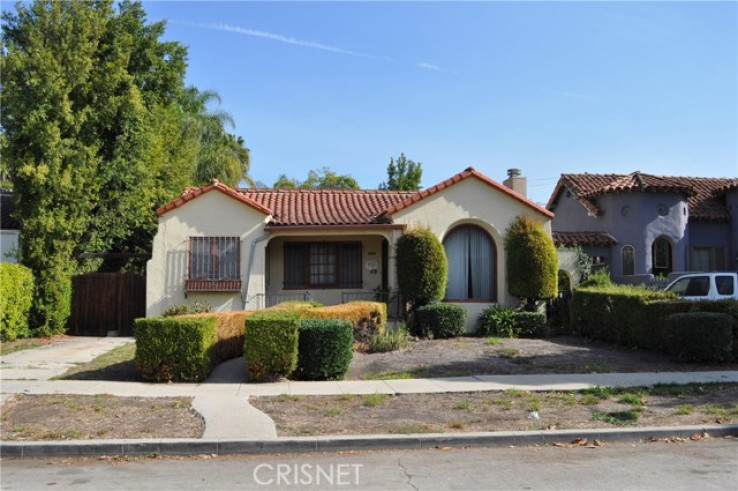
(628, 253)
(472, 264)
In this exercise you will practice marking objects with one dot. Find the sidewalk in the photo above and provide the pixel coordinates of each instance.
(226, 394)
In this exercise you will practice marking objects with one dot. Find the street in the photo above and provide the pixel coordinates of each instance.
(702, 465)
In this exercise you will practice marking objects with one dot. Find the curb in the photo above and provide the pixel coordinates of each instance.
(349, 443)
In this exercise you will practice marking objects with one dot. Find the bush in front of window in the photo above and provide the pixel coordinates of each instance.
(270, 345)
(16, 296)
(441, 320)
(421, 267)
(295, 305)
(325, 349)
(498, 322)
(700, 336)
(184, 309)
(531, 325)
(174, 348)
(532, 262)
(368, 318)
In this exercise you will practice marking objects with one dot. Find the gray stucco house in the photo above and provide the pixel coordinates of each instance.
(641, 225)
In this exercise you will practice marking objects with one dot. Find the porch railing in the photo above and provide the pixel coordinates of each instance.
(391, 298)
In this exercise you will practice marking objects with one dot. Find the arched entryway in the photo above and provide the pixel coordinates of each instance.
(472, 264)
(661, 257)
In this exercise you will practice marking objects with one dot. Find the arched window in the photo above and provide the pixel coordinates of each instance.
(661, 256)
(628, 253)
(472, 264)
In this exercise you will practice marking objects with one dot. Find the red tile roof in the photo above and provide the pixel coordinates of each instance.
(591, 239)
(467, 173)
(704, 194)
(336, 208)
(191, 193)
(316, 207)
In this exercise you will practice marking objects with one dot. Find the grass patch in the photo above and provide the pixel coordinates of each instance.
(597, 391)
(673, 390)
(597, 368)
(516, 393)
(617, 418)
(458, 424)
(288, 398)
(493, 341)
(346, 397)
(372, 400)
(506, 352)
(684, 410)
(410, 428)
(116, 364)
(333, 411)
(7, 347)
(417, 372)
(464, 406)
(389, 341)
(722, 411)
(630, 398)
(534, 404)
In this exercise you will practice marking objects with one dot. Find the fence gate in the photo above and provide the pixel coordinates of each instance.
(103, 302)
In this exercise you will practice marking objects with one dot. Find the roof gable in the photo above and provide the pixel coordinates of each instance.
(469, 172)
(191, 193)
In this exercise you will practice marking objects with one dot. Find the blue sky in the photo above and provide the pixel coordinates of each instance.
(546, 87)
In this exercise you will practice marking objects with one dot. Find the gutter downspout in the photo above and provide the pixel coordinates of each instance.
(245, 292)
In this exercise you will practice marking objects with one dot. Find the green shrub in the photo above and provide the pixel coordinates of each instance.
(532, 262)
(295, 305)
(230, 333)
(270, 344)
(531, 325)
(497, 321)
(601, 277)
(16, 295)
(184, 309)
(441, 320)
(174, 349)
(392, 340)
(368, 318)
(325, 349)
(700, 336)
(421, 267)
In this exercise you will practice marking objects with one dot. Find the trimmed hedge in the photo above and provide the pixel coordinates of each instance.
(174, 348)
(295, 305)
(422, 267)
(440, 320)
(700, 336)
(325, 349)
(230, 333)
(16, 295)
(531, 325)
(636, 317)
(270, 345)
(368, 318)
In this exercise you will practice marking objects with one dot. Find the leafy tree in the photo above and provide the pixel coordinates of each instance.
(318, 179)
(422, 268)
(532, 262)
(405, 175)
(97, 131)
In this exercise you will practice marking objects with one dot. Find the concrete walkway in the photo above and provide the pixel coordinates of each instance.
(223, 399)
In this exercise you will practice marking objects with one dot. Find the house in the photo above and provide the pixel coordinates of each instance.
(251, 248)
(642, 225)
(9, 228)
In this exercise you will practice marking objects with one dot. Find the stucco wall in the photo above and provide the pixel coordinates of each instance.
(371, 251)
(731, 200)
(9, 245)
(212, 214)
(472, 202)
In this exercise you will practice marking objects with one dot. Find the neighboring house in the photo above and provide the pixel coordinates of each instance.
(251, 248)
(642, 225)
(9, 228)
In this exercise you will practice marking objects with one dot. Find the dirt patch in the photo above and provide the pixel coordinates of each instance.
(512, 410)
(82, 417)
(474, 356)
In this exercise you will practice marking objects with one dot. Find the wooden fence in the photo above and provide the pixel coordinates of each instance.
(103, 302)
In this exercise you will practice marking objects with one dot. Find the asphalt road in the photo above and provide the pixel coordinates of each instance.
(700, 465)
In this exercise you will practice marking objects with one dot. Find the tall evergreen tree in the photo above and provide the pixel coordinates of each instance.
(405, 175)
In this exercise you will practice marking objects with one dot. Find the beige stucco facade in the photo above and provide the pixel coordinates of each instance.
(467, 202)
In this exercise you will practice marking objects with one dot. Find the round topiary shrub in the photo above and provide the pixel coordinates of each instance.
(325, 349)
(532, 262)
(422, 268)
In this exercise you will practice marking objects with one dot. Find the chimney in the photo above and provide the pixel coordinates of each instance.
(516, 182)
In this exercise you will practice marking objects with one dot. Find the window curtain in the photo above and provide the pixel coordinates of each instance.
(457, 253)
(480, 264)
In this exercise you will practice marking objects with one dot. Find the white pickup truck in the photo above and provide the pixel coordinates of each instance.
(705, 286)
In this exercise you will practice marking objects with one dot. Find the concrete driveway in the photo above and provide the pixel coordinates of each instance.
(51, 360)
